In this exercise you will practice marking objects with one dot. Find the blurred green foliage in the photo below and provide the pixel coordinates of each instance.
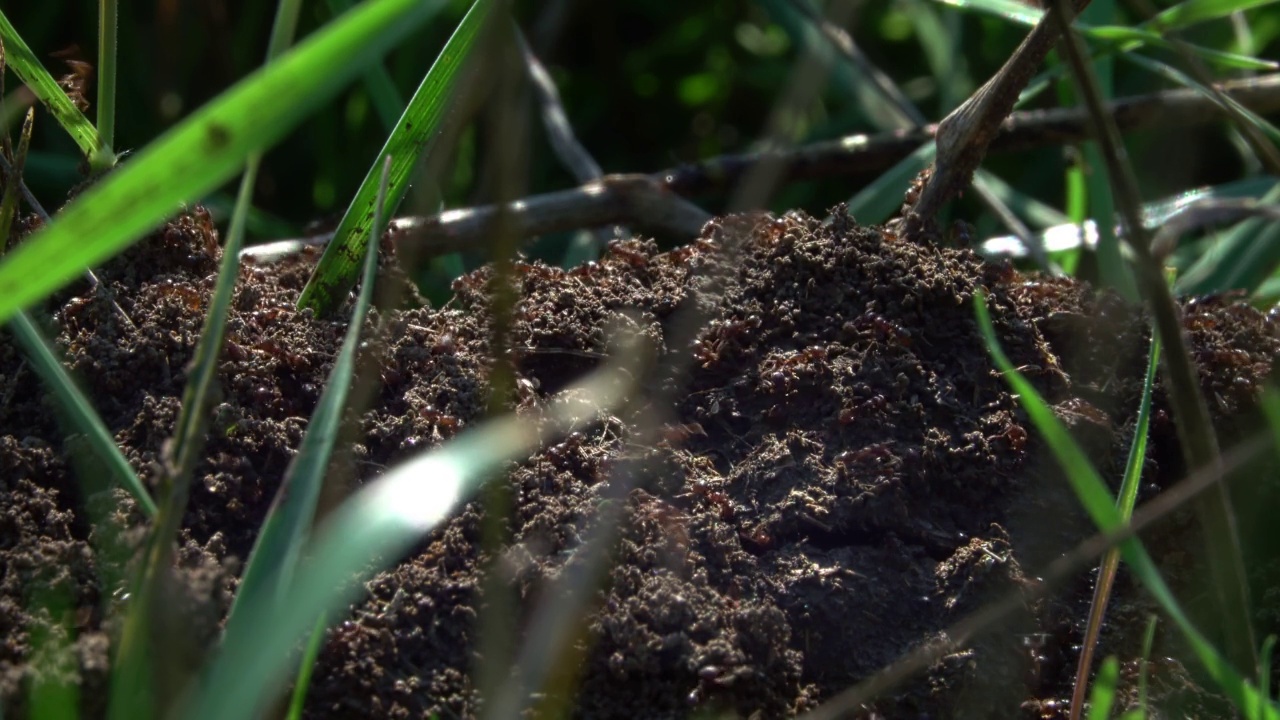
(646, 86)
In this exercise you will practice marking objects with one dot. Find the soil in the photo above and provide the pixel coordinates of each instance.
(844, 474)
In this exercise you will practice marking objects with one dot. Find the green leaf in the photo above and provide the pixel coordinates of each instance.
(202, 152)
(410, 140)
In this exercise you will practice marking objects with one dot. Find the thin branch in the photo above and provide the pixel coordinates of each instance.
(964, 136)
(652, 202)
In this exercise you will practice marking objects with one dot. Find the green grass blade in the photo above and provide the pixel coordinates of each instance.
(275, 554)
(1123, 39)
(412, 137)
(1192, 12)
(1128, 497)
(79, 410)
(1264, 666)
(1097, 501)
(203, 151)
(376, 527)
(107, 36)
(303, 679)
(1104, 689)
(31, 71)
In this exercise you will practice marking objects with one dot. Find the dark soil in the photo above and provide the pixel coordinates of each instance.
(844, 475)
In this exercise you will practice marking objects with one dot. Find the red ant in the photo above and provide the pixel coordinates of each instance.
(718, 498)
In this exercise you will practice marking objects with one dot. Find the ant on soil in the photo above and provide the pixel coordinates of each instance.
(707, 350)
(718, 498)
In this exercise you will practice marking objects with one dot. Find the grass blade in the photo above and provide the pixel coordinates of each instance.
(107, 36)
(203, 151)
(308, 663)
(1110, 563)
(31, 71)
(1243, 258)
(79, 410)
(335, 274)
(1192, 12)
(1097, 501)
(275, 554)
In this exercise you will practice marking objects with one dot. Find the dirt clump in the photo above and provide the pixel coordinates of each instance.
(843, 474)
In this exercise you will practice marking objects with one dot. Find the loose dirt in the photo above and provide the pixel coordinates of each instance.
(841, 476)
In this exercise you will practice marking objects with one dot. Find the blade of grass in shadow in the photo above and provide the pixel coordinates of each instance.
(1144, 675)
(1243, 258)
(1097, 501)
(9, 204)
(1234, 110)
(303, 679)
(1037, 213)
(107, 35)
(376, 526)
(31, 71)
(273, 560)
(1110, 563)
(79, 410)
(940, 38)
(203, 151)
(411, 139)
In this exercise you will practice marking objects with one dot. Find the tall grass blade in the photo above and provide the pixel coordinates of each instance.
(107, 36)
(1097, 501)
(79, 411)
(203, 151)
(410, 140)
(276, 552)
(31, 71)
(1111, 562)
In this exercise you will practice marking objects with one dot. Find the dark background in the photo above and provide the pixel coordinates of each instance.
(646, 86)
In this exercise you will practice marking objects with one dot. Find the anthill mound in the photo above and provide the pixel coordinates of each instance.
(842, 474)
